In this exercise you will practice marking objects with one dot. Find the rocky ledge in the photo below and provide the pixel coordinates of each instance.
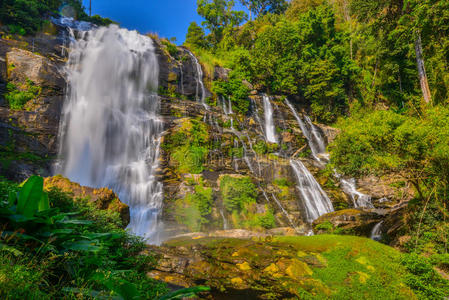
(318, 267)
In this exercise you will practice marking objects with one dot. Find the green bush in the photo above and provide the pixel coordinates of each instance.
(237, 192)
(195, 208)
(235, 90)
(189, 146)
(55, 247)
(423, 279)
(18, 98)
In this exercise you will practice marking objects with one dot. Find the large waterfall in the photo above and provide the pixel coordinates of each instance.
(269, 125)
(110, 131)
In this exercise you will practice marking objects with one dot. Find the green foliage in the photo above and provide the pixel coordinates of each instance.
(218, 15)
(17, 98)
(195, 208)
(188, 146)
(26, 16)
(423, 279)
(237, 192)
(195, 36)
(49, 254)
(384, 141)
(171, 48)
(235, 90)
(261, 7)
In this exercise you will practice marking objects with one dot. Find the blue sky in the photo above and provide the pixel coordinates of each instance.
(168, 18)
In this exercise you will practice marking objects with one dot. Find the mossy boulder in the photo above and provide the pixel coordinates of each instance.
(347, 221)
(294, 267)
(104, 198)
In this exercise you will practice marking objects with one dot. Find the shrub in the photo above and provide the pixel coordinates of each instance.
(237, 192)
(194, 209)
(18, 98)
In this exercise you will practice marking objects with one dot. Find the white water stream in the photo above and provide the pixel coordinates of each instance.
(270, 131)
(110, 131)
(199, 81)
(315, 200)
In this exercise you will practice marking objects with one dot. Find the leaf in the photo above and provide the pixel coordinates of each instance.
(10, 249)
(74, 221)
(44, 204)
(188, 292)
(82, 245)
(12, 198)
(30, 195)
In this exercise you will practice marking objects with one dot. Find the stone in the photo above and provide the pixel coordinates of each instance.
(24, 65)
(103, 198)
(349, 221)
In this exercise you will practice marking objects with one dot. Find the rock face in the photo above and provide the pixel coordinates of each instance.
(103, 198)
(177, 72)
(318, 267)
(28, 135)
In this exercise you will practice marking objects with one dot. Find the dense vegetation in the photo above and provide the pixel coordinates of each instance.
(330, 54)
(28, 16)
(54, 246)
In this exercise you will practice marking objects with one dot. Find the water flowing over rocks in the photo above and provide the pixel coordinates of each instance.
(237, 145)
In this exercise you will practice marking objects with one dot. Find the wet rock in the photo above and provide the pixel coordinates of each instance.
(103, 198)
(386, 191)
(347, 221)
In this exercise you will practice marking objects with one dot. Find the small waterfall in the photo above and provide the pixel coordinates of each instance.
(225, 222)
(315, 200)
(376, 233)
(359, 199)
(270, 131)
(110, 131)
(312, 134)
(199, 81)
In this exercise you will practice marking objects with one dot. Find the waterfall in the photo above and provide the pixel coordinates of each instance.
(359, 199)
(376, 233)
(315, 200)
(110, 132)
(311, 133)
(199, 81)
(269, 125)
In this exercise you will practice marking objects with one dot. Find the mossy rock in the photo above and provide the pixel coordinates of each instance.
(317, 267)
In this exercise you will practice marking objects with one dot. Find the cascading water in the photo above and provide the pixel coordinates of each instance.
(269, 125)
(315, 200)
(359, 199)
(110, 131)
(376, 233)
(199, 81)
(311, 133)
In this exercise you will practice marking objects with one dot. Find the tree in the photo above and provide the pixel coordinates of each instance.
(218, 14)
(261, 7)
(195, 36)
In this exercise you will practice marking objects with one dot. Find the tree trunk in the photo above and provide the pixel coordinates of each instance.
(421, 69)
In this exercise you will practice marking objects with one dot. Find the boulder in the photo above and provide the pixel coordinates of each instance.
(103, 198)
(25, 65)
(347, 221)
